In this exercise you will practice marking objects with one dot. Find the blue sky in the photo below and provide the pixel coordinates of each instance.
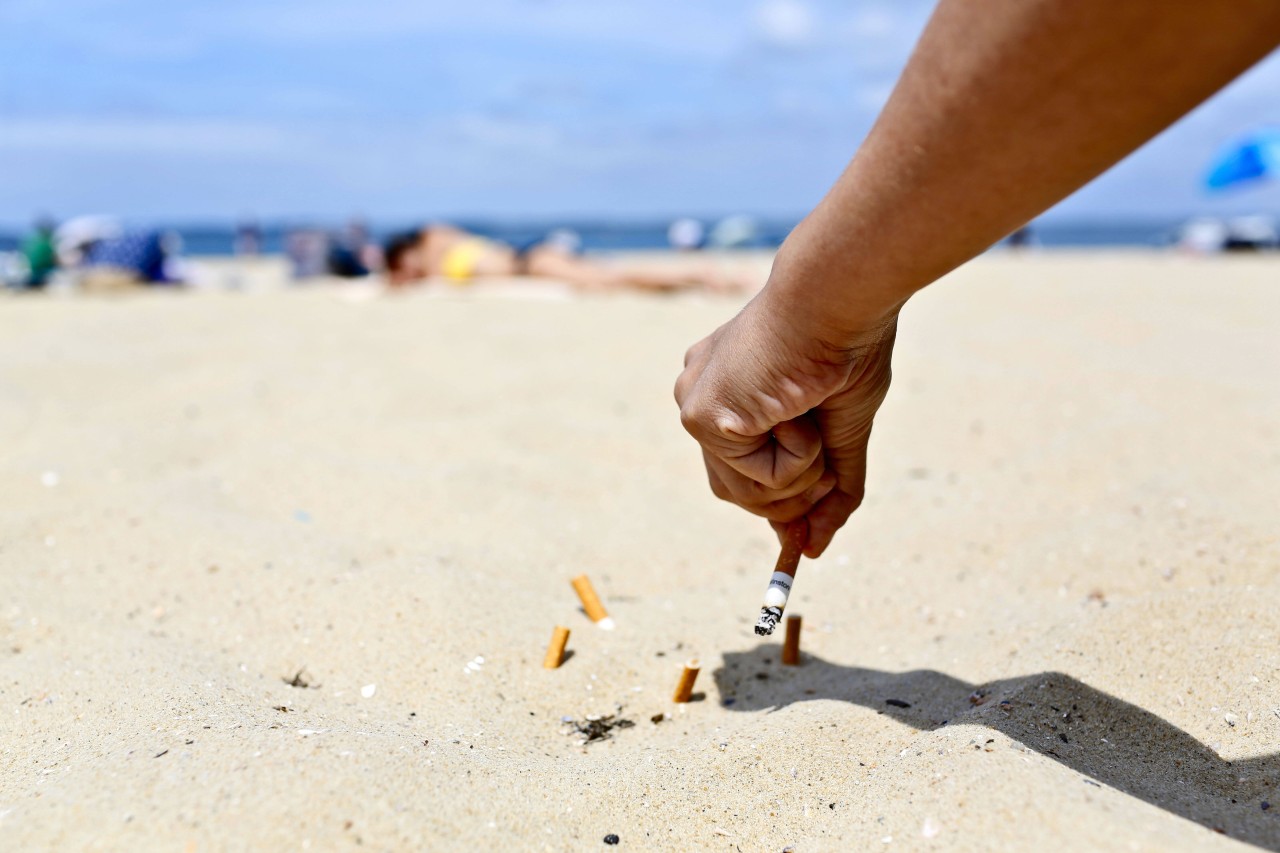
(405, 109)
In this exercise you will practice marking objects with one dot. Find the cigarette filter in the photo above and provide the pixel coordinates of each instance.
(684, 688)
(791, 644)
(555, 651)
(591, 602)
(784, 573)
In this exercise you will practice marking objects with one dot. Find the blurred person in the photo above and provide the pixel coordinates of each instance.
(308, 251)
(74, 237)
(462, 257)
(351, 253)
(1023, 238)
(1005, 108)
(687, 235)
(248, 239)
(41, 254)
(137, 257)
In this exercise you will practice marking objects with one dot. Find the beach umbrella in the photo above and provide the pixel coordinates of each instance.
(1253, 158)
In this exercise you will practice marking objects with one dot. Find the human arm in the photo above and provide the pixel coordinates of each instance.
(1005, 107)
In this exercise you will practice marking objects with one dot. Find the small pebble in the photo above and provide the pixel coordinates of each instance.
(1265, 805)
(49, 478)
(611, 839)
(368, 690)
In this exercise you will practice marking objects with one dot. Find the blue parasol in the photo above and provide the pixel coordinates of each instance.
(1252, 158)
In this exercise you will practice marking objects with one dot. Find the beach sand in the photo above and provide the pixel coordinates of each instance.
(1052, 625)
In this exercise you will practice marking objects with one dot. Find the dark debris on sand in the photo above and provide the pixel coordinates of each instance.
(595, 727)
(301, 680)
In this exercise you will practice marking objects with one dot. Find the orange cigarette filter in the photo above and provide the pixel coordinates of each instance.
(591, 602)
(684, 688)
(793, 542)
(555, 651)
(791, 644)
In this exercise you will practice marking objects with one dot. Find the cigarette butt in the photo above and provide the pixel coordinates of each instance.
(591, 602)
(793, 542)
(684, 689)
(555, 651)
(791, 644)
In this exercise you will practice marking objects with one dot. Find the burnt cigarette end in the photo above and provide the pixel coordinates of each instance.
(768, 620)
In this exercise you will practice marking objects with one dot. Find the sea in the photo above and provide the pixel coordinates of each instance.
(219, 239)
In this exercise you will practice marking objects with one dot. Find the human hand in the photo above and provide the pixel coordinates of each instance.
(783, 410)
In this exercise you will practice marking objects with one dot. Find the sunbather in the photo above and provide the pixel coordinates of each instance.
(457, 255)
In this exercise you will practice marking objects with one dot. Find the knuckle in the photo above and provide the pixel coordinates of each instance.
(680, 390)
(691, 417)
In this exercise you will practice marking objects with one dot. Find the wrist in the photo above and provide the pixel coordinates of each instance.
(822, 296)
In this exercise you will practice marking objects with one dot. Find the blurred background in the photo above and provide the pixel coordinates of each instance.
(232, 125)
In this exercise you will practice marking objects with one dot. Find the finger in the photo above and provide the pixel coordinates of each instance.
(695, 352)
(684, 384)
(826, 518)
(718, 488)
(850, 468)
(748, 493)
(801, 505)
(781, 457)
(783, 510)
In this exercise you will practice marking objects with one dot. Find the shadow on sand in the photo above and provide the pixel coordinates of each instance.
(1051, 713)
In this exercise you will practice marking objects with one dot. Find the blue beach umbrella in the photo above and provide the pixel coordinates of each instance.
(1252, 158)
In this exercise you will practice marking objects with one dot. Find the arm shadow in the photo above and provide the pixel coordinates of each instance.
(1104, 738)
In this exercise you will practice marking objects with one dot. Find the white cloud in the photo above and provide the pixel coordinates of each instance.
(872, 22)
(784, 23)
(143, 136)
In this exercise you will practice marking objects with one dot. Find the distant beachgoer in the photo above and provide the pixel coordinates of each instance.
(351, 253)
(41, 255)
(248, 239)
(308, 252)
(687, 235)
(1023, 238)
(461, 257)
(1005, 107)
(141, 257)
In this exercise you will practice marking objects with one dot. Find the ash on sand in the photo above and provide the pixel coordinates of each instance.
(595, 727)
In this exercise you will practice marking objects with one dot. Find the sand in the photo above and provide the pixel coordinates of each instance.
(1064, 576)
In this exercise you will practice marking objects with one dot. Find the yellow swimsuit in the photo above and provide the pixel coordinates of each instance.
(461, 261)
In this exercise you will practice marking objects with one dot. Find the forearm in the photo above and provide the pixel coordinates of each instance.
(1006, 107)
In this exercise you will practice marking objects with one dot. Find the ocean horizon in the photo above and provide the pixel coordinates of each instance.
(219, 239)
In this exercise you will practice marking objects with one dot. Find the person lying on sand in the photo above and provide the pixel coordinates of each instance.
(460, 256)
(1005, 107)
